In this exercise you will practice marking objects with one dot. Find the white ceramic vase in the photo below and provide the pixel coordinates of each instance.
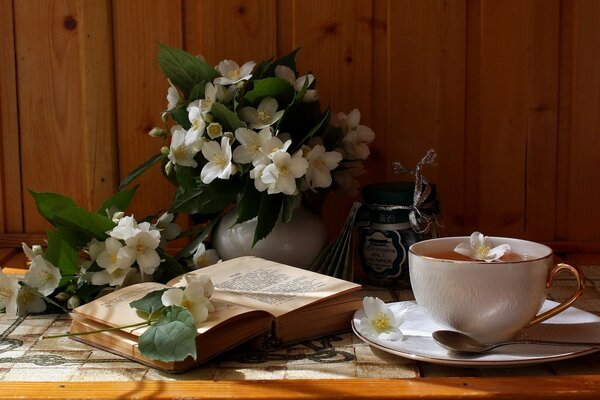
(295, 243)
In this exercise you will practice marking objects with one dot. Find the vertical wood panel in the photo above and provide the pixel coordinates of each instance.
(426, 100)
(336, 41)
(98, 108)
(578, 216)
(243, 30)
(516, 110)
(139, 25)
(50, 120)
(11, 218)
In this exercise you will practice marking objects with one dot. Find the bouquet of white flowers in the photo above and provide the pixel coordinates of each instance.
(253, 136)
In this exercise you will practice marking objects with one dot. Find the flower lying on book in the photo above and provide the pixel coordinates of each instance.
(253, 136)
(380, 322)
(170, 317)
(481, 248)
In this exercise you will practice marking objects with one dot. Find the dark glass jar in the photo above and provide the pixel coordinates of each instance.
(385, 232)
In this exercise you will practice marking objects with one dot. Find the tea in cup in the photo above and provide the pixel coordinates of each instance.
(491, 301)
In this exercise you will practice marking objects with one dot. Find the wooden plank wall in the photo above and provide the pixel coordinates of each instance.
(506, 91)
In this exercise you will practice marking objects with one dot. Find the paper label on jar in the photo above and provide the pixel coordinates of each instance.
(381, 253)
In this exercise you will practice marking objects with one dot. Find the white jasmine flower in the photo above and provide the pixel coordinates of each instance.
(192, 298)
(219, 161)
(114, 278)
(232, 73)
(115, 256)
(226, 93)
(184, 146)
(214, 130)
(264, 115)
(356, 138)
(42, 275)
(270, 146)
(256, 174)
(29, 302)
(251, 143)
(9, 290)
(481, 248)
(282, 173)
(210, 96)
(143, 246)
(195, 116)
(205, 280)
(285, 72)
(320, 165)
(346, 176)
(168, 229)
(379, 321)
(126, 228)
(95, 247)
(203, 257)
(173, 96)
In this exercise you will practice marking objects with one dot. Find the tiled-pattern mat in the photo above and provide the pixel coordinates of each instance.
(24, 356)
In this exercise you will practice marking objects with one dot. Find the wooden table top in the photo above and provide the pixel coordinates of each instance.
(369, 374)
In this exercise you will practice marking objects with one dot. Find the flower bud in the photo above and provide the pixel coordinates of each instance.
(164, 116)
(158, 133)
(117, 216)
(37, 249)
(214, 130)
(164, 150)
(169, 168)
(208, 118)
(73, 302)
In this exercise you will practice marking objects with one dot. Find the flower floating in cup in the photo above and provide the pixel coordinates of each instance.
(380, 322)
(481, 248)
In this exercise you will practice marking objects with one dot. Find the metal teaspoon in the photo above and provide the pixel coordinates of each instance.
(460, 342)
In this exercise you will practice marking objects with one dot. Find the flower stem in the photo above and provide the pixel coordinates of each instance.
(96, 331)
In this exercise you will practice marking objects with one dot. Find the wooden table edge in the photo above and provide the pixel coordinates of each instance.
(572, 387)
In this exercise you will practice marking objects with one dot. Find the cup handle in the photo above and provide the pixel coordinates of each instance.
(566, 304)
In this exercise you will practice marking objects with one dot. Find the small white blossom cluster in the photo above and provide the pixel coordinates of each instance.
(195, 297)
(259, 148)
(41, 279)
(129, 243)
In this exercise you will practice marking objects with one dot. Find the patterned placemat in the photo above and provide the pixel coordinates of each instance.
(24, 356)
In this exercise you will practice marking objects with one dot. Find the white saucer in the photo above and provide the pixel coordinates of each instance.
(572, 325)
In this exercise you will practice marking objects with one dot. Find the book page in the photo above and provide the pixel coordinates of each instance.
(268, 285)
(113, 309)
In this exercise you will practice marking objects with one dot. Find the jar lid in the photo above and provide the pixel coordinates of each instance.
(393, 193)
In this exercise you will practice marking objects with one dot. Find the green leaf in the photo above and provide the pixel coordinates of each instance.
(119, 200)
(268, 213)
(271, 87)
(150, 305)
(171, 338)
(289, 203)
(197, 91)
(61, 211)
(248, 205)
(193, 244)
(314, 130)
(48, 204)
(186, 176)
(141, 169)
(227, 118)
(63, 250)
(205, 199)
(184, 69)
(180, 116)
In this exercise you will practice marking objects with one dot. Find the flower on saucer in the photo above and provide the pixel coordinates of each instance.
(481, 248)
(379, 321)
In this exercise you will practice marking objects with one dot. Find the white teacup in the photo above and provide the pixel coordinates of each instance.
(491, 301)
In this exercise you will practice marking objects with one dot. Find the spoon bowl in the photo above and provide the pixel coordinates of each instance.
(463, 343)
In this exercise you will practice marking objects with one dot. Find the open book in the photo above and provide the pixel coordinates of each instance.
(269, 303)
